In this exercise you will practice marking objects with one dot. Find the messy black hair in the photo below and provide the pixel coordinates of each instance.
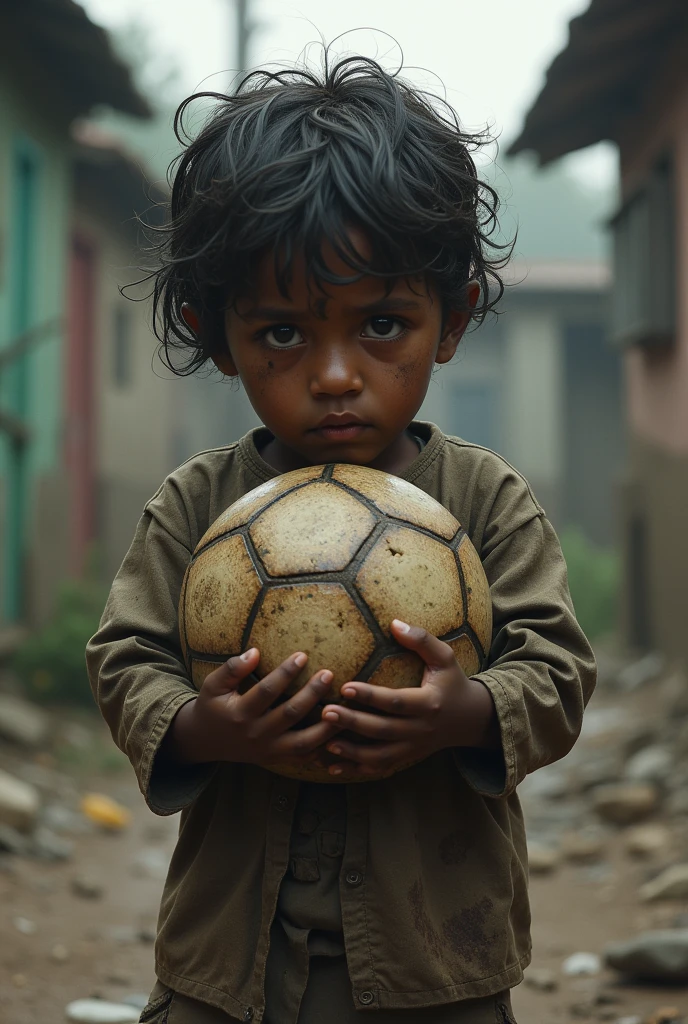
(296, 158)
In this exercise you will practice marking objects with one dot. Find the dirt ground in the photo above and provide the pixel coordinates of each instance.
(75, 947)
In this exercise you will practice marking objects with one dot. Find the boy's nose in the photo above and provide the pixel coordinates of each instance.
(334, 373)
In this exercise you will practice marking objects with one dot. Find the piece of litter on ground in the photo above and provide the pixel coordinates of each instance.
(582, 963)
(105, 811)
(98, 1011)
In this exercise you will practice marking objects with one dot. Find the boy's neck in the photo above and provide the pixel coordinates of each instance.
(395, 459)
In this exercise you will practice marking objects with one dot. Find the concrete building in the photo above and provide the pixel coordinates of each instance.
(55, 65)
(540, 383)
(624, 77)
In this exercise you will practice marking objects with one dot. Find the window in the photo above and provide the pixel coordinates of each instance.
(121, 348)
(645, 265)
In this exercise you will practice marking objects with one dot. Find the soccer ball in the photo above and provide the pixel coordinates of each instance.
(321, 560)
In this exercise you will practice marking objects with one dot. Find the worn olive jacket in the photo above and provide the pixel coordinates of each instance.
(434, 878)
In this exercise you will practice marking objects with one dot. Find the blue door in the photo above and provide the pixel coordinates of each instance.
(16, 382)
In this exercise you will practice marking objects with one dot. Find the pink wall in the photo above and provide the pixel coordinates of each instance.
(657, 381)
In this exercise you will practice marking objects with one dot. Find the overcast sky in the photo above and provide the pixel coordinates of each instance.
(490, 57)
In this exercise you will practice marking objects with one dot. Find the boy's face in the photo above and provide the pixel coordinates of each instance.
(338, 377)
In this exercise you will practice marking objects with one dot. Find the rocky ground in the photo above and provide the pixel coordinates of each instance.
(80, 879)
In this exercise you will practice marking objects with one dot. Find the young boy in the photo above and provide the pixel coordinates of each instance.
(328, 244)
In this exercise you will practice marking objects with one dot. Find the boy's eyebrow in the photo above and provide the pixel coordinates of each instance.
(280, 313)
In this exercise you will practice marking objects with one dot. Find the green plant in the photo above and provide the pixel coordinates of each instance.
(51, 662)
(593, 580)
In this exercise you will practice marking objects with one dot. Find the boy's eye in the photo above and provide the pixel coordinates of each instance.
(383, 327)
(283, 336)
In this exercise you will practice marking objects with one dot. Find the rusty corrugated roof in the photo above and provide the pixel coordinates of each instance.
(74, 52)
(614, 50)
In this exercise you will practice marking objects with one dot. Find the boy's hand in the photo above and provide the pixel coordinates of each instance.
(447, 710)
(223, 725)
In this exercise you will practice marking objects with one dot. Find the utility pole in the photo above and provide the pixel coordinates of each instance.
(244, 29)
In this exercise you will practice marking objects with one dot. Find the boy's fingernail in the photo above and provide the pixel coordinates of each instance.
(326, 677)
(300, 660)
(403, 627)
(334, 770)
(247, 655)
(331, 716)
(335, 750)
(348, 691)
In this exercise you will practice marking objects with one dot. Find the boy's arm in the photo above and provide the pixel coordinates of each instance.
(135, 663)
(541, 669)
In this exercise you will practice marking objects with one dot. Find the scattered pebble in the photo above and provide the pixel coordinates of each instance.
(665, 1015)
(88, 886)
(651, 764)
(625, 803)
(25, 925)
(542, 860)
(59, 953)
(657, 956)
(647, 840)
(583, 847)
(541, 979)
(151, 862)
(671, 884)
(582, 964)
(46, 845)
(19, 980)
(19, 803)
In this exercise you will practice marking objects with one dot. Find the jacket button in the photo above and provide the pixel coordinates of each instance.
(282, 802)
(366, 998)
(248, 1014)
(353, 879)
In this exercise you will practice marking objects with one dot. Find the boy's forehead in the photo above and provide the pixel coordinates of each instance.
(306, 293)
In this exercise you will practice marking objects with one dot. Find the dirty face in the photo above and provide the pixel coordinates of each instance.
(338, 375)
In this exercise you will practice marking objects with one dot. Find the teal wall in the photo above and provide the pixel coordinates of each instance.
(33, 232)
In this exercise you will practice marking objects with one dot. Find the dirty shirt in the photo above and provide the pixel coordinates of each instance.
(428, 892)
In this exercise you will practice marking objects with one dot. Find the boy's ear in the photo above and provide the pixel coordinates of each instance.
(222, 359)
(455, 325)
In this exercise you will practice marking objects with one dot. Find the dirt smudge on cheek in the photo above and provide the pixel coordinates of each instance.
(406, 374)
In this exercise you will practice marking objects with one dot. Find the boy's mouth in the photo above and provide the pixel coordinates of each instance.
(340, 427)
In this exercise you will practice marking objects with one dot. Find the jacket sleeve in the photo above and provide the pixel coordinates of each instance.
(541, 670)
(136, 667)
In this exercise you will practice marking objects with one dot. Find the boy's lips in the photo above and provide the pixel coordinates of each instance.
(340, 427)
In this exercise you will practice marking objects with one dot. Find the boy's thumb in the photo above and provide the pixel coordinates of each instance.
(227, 676)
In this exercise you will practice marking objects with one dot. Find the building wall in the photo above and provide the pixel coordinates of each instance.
(32, 120)
(657, 380)
(653, 496)
(541, 386)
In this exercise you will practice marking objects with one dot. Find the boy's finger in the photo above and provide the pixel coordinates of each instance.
(407, 701)
(302, 742)
(263, 694)
(226, 677)
(379, 756)
(291, 711)
(435, 653)
(378, 727)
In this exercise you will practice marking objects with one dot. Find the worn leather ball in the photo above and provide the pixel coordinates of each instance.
(321, 560)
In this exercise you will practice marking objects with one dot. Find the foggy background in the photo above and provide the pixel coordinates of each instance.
(581, 383)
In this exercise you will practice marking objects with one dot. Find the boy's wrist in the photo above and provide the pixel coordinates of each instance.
(183, 742)
(478, 725)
